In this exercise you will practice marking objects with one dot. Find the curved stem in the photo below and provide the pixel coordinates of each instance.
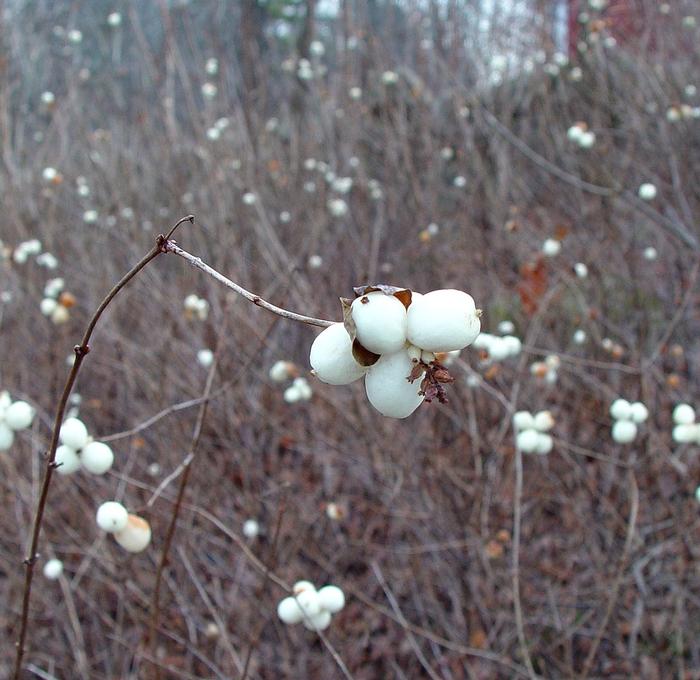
(172, 247)
(81, 350)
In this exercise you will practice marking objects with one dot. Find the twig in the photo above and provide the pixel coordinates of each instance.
(186, 468)
(172, 247)
(615, 590)
(81, 350)
(517, 512)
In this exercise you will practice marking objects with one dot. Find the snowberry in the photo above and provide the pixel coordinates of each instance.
(289, 612)
(685, 433)
(135, 536)
(380, 322)
(527, 440)
(74, 434)
(303, 388)
(67, 460)
(309, 602)
(302, 585)
(112, 516)
(684, 414)
(621, 409)
(574, 132)
(96, 458)
(543, 421)
(332, 598)
(53, 569)
(544, 444)
(280, 371)
(205, 357)
(587, 139)
(624, 431)
(551, 247)
(647, 192)
(19, 415)
(523, 420)
(388, 389)
(581, 270)
(292, 394)
(506, 327)
(579, 336)
(443, 320)
(650, 253)
(639, 413)
(251, 528)
(7, 437)
(320, 621)
(331, 356)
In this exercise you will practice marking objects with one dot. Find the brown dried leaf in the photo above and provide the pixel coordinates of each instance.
(402, 294)
(362, 355)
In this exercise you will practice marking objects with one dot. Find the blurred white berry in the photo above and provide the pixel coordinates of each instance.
(551, 247)
(135, 536)
(53, 569)
(506, 327)
(19, 415)
(281, 370)
(527, 440)
(249, 198)
(544, 444)
(211, 67)
(49, 174)
(74, 434)
(319, 621)
(460, 181)
(523, 420)
(543, 421)
(581, 270)
(114, 19)
(683, 414)
(205, 357)
(621, 409)
(316, 48)
(390, 78)
(97, 458)
(624, 431)
(289, 611)
(650, 253)
(209, 90)
(647, 191)
(638, 412)
(112, 516)
(7, 437)
(67, 460)
(251, 528)
(685, 433)
(579, 336)
(337, 207)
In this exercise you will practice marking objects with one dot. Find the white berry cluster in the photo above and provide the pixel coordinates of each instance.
(133, 533)
(14, 416)
(627, 416)
(196, 307)
(531, 431)
(78, 450)
(391, 337)
(310, 606)
(686, 430)
(299, 390)
(498, 348)
(546, 370)
(56, 302)
(581, 135)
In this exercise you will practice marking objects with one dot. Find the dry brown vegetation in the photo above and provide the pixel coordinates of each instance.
(606, 580)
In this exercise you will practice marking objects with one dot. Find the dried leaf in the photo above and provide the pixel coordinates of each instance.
(402, 294)
(362, 355)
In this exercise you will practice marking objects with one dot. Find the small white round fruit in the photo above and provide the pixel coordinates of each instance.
(544, 444)
(647, 191)
(684, 414)
(112, 517)
(53, 569)
(506, 327)
(684, 433)
(513, 344)
(136, 536)
(279, 372)
(309, 602)
(624, 431)
(74, 434)
(499, 349)
(300, 586)
(332, 598)
(380, 322)
(19, 415)
(388, 389)
(67, 460)
(621, 409)
(319, 621)
(443, 320)
(251, 528)
(331, 357)
(544, 421)
(581, 270)
(523, 420)
(7, 437)
(579, 336)
(205, 357)
(527, 440)
(97, 458)
(639, 412)
(289, 611)
(551, 247)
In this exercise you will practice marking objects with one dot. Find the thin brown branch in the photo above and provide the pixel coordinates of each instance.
(172, 247)
(81, 350)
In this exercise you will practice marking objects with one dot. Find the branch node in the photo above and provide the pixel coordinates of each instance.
(81, 350)
(30, 561)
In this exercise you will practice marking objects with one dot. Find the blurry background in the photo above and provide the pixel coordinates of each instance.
(323, 145)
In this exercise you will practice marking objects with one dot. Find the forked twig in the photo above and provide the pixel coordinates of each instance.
(81, 350)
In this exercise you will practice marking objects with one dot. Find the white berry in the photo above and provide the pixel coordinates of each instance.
(53, 569)
(67, 460)
(624, 431)
(388, 389)
(97, 458)
(443, 320)
(621, 409)
(523, 420)
(331, 357)
(683, 414)
(639, 412)
(74, 434)
(136, 536)
(527, 440)
(7, 436)
(332, 598)
(19, 415)
(289, 611)
(380, 322)
(112, 516)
